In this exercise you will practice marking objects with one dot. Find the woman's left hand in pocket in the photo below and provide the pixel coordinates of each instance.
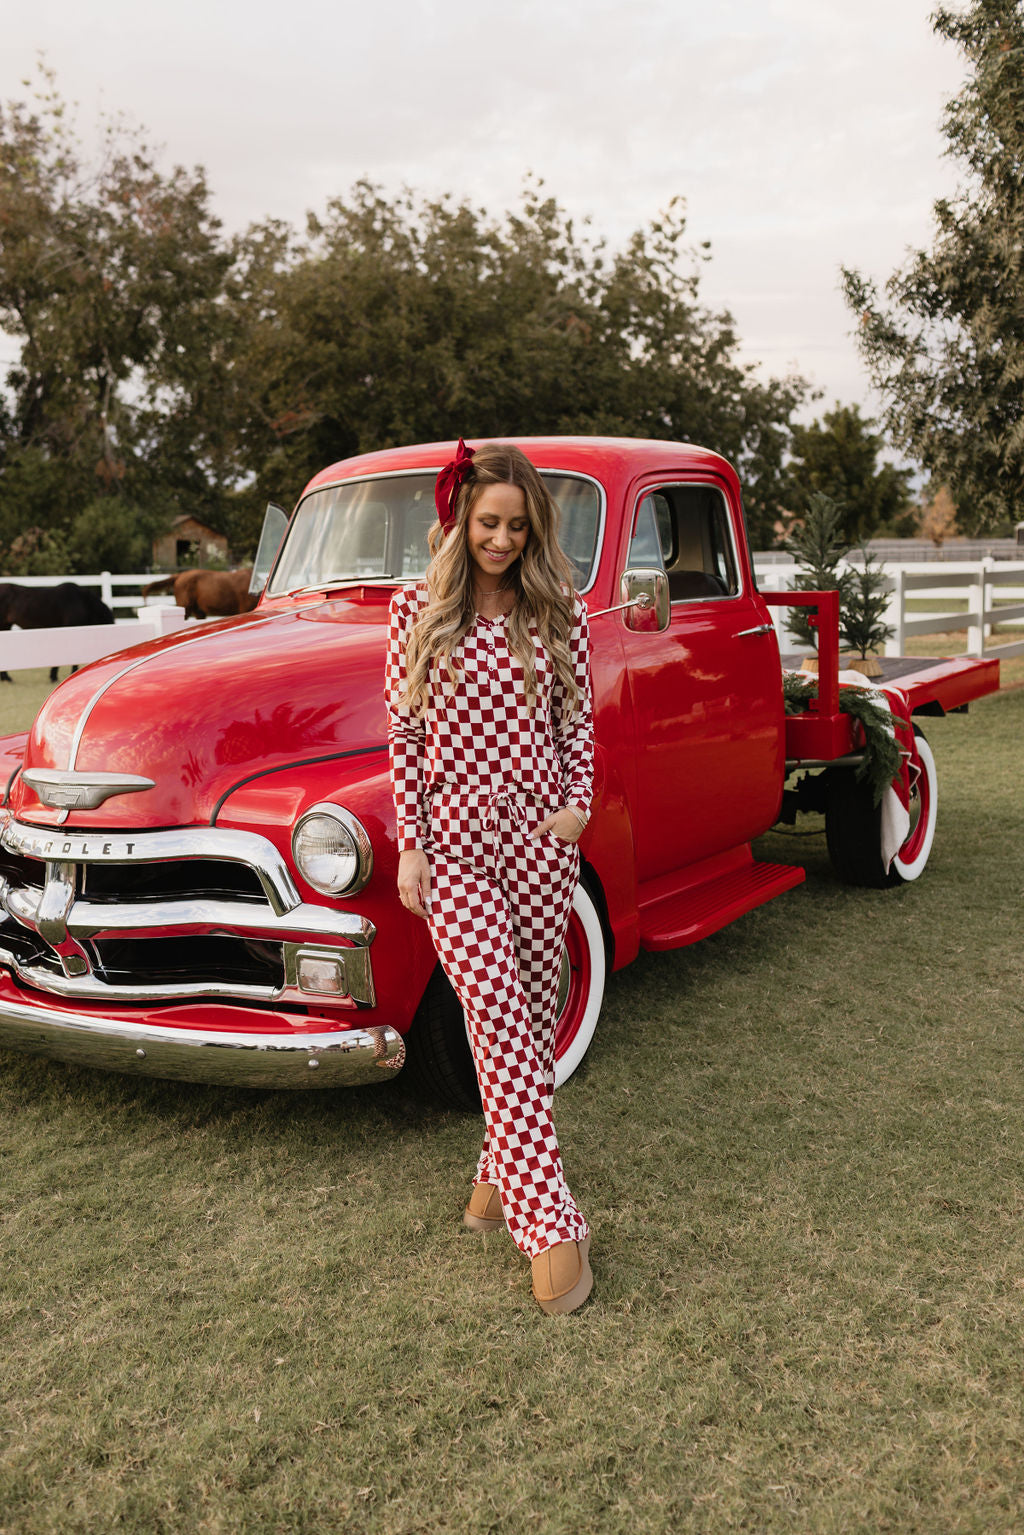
(562, 824)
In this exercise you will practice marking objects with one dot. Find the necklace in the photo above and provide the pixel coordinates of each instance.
(491, 596)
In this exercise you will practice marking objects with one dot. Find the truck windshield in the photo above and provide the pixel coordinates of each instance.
(377, 530)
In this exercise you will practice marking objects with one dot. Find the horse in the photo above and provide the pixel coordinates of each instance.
(208, 593)
(50, 607)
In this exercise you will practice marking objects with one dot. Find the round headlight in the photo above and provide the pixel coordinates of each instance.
(331, 850)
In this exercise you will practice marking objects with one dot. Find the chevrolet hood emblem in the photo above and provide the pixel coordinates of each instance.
(66, 789)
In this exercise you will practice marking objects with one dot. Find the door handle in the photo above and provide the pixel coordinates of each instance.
(757, 629)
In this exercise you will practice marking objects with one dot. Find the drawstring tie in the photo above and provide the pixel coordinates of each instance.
(504, 799)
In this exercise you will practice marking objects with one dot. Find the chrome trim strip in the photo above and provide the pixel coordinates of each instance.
(83, 986)
(330, 1058)
(214, 842)
(86, 988)
(155, 919)
(105, 687)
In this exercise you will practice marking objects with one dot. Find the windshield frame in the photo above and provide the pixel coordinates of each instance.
(404, 473)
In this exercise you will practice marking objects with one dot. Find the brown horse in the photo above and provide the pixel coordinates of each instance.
(50, 607)
(208, 593)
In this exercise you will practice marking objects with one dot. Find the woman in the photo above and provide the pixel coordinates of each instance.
(491, 737)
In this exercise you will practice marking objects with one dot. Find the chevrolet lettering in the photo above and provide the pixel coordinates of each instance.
(19, 839)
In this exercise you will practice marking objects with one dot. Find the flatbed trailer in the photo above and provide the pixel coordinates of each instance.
(930, 685)
(827, 738)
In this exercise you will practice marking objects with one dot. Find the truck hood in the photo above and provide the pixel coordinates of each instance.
(204, 709)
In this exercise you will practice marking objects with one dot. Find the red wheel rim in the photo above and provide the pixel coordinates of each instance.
(922, 792)
(577, 954)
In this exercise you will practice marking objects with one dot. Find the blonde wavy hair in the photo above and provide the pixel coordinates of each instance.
(541, 579)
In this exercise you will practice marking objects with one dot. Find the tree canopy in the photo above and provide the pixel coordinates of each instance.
(838, 456)
(408, 320)
(165, 368)
(111, 277)
(945, 346)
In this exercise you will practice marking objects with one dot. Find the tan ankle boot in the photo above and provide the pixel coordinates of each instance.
(562, 1278)
(484, 1212)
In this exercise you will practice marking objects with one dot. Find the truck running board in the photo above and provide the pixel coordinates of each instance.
(669, 919)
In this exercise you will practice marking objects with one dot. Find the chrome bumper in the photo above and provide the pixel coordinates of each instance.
(348, 1058)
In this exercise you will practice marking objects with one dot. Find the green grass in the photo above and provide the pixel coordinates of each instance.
(22, 697)
(801, 1147)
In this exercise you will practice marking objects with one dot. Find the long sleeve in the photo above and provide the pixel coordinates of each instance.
(406, 733)
(574, 732)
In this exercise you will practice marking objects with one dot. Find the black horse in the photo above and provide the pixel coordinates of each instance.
(49, 607)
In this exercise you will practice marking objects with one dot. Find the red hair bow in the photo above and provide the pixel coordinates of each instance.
(449, 483)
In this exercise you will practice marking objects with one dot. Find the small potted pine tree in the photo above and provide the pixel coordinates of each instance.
(862, 609)
(817, 546)
(820, 551)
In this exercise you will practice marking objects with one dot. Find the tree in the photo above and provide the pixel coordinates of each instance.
(112, 277)
(945, 348)
(407, 319)
(838, 457)
(936, 517)
(111, 534)
(818, 547)
(863, 606)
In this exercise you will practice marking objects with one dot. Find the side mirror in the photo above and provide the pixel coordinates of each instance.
(645, 600)
(275, 523)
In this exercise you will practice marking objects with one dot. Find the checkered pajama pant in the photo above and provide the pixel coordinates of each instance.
(499, 907)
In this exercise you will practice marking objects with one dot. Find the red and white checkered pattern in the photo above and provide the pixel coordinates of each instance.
(499, 905)
(471, 778)
(483, 736)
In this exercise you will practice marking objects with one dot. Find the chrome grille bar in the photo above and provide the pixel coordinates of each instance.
(208, 842)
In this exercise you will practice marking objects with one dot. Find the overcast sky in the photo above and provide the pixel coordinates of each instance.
(802, 133)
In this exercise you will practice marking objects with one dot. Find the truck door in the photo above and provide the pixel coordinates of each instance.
(707, 690)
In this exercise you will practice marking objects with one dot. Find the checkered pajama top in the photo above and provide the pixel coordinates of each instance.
(483, 738)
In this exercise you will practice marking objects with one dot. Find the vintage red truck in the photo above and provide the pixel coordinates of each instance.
(197, 857)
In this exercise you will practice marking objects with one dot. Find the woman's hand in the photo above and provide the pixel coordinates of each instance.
(414, 881)
(564, 824)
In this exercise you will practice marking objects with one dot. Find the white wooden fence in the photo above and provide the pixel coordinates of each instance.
(980, 582)
(21, 649)
(981, 585)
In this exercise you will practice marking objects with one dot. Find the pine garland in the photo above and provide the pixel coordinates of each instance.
(882, 759)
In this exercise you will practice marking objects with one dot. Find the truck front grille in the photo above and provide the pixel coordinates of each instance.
(192, 880)
(201, 912)
(180, 961)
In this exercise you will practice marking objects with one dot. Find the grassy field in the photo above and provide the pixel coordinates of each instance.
(800, 1145)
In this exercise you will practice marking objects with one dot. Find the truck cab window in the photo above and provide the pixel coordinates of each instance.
(646, 549)
(684, 529)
